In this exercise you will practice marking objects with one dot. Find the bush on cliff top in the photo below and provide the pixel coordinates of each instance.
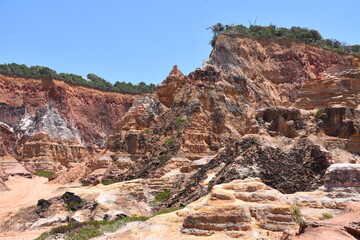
(92, 81)
(271, 31)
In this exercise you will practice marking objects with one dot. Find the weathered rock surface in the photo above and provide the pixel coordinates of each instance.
(254, 110)
(338, 86)
(11, 167)
(133, 198)
(49, 124)
(344, 226)
(343, 175)
(245, 87)
(248, 209)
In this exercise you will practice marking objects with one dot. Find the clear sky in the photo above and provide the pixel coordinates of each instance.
(140, 40)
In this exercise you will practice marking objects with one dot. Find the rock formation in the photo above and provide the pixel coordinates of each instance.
(265, 129)
(51, 124)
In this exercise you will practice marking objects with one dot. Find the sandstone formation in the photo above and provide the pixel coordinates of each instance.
(256, 141)
(49, 124)
(248, 209)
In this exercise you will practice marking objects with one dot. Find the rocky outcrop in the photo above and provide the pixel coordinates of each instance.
(92, 112)
(343, 175)
(244, 88)
(300, 169)
(54, 125)
(11, 168)
(277, 67)
(344, 226)
(247, 209)
(8, 140)
(338, 86)
(101, 202)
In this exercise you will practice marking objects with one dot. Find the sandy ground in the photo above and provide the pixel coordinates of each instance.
(25, 192)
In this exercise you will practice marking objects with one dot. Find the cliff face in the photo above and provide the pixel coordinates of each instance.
(201, 123)
(279, 67)
(278, 110)
(53, 120)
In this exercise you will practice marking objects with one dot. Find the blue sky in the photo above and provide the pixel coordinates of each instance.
(140, 40)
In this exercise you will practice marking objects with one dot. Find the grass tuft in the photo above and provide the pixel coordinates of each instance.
(167, 210)
(45, 173)
(327, 215)
(160, 197)
(180, 120)
(169, 141)
(296, 212)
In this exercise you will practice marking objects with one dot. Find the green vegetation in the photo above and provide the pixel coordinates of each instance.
(169, 141)
(73, 206)
(147, 131)
(167, 210)
(108, 181)
(271, 31)
(90, 229)
(160, 197)
(92, 81)
(162, 156)
(86, 232)
(319, 112)
(327, 215)
(114, 157)
(180, 120)
(297, 216)
(45, 173)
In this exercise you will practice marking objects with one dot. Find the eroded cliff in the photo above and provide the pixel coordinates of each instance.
(55, 123)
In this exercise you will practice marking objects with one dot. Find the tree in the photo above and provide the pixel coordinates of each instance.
(216, 29)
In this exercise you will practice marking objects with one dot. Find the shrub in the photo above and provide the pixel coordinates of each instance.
(114, 157)
(108, 181)
(297, 216)
(180, 120)
(327, 215)
(319, 112)
(169, 141)
(92, 81)
(303, 34)
(147, 131)
(163, 156)
(45, 173)
(160, 197)
(75, 205)
(167, 210)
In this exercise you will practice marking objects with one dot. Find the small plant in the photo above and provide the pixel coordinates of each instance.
(147, 131)
(114, 157)
(180, 120)
(112, 226)
(167, 210)
(151, 115)
(45, 173)
(108, 181)
(74, 205)
(160, 197)
(297, 216)
(327, 215)
(319, 112)
(169, 141)
(162, 156)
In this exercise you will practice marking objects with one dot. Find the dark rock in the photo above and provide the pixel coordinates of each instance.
(72, 201)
